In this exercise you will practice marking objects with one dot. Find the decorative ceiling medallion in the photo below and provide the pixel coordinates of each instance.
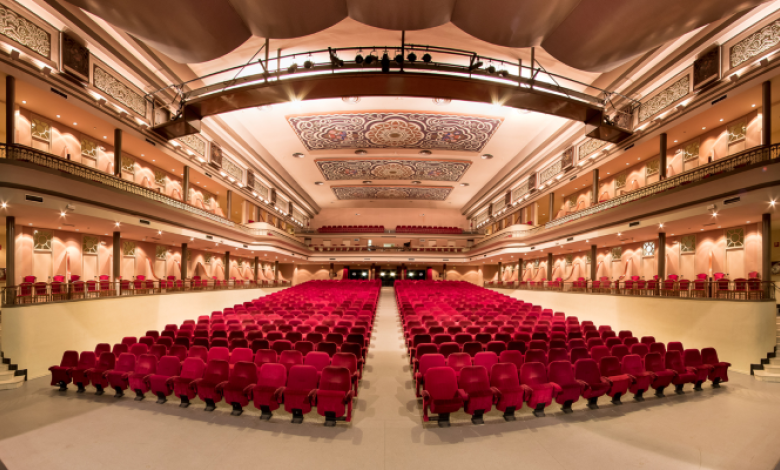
(104, 81)
(763, 40)
(394, 130)
(665, 98)
(424, 193)
(391, 169)
(24, 32)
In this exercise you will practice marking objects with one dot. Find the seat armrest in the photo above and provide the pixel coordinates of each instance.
(463, 395)
(312, 397)
(279, 395)
(249, 391)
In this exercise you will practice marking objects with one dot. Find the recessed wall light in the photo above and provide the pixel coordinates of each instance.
(319, 183)
(75, 124)
(360, 152)
(415, 182)
(753, 106)
(703, 128)
(58, 115)
(367, 182)
(487, 156)
(464, 184)
(721, 120)
(298, 155)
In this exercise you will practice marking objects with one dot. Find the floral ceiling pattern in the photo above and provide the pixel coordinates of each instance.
(425, 193)
(387, 169)
(394, 130)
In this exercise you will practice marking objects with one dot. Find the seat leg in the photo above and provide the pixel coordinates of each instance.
(330, 419)
(265, 414)
(697, 386)
(210, 405)
(539, 410)
(716, 382)
(119, 392)
(237, 410)
(477, 417)
(297, 417)
(81, 388)
(509, 414)
(185, 401)
(161, 398)
(639, 396)
(566, 408)
(593, 403)
(98, 389)
(678, 389)
(139, 395)
(659, 392)
(63, 386)
(444, 420)
(616, 399)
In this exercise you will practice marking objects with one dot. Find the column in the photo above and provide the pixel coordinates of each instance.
(551, 213)
(117, 248)
(444, 272)
(766, 253)
(229, 204)
(276, 271)
(593, 263)
(661, 256)
(520, 270)
(500, 265)
(549, 266)
(594, 192)
(766, 115)
(330, 271)
(662, 151)
(185, 185)
(10, 246)
(118, 152)
(10, 119)
(257, 263)
(227, 265)
(183, 261)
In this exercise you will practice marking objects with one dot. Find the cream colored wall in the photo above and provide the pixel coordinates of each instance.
(742, 332)
(391, 217)
(34, 337)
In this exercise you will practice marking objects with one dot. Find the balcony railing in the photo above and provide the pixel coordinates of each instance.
(20, 153)
(43, 292)
(513, 231)
(313, 231)
(741, 161)
(709, 289)
(381, 249)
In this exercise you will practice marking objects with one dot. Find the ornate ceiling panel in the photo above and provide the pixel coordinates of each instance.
(394, 130)
(392, 169)
(424, 193)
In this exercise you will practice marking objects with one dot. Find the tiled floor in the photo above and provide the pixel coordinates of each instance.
(734, 427)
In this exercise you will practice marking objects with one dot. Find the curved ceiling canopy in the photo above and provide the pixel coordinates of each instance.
(591, 35)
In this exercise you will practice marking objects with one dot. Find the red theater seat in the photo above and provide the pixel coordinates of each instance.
(441, 394)
(243, 375)
(138, 380)
(333, 396)
(62, 374)
(479, 398)
(267, 393)
(539, 390)
(719, 371)
(594, 385)
(161, 381)
(301, 380)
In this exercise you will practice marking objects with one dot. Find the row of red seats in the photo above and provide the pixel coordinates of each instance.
(426, 229)
(219, 340)
(352, 229)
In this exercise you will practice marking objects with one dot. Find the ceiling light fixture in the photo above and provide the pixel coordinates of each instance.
(319, 183)
(415, 182)
(298, 155)
(464, 184)
(367, 182)
(487, 156)
(360, 152)
(425, 152)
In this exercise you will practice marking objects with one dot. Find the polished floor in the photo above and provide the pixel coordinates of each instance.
(735, 427)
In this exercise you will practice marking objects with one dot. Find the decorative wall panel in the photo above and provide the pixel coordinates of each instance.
(589, 146)
(75, 57)
(233, 170)
(89, 147)
(665, 98)
(620, 180)
(298, 215)
(216, 156)
(393, 169)
(520, 191)
(567, 158)
(128, 248)
(260, 189)
(161, 252)
(735, 238)
(688, 244)
(90, 245)
(479, 218)
(498, 205)
(648, 249)
(160, 178)
(394, 130)
(40, 129)
(536, 263)
(653, 167)
(429, 193)
(113, 87)
(569, 260)
(706, 68)
(128, 164)
(42, 240)
(737, 131)
(690, 151)
(617, 252)
(761, 41)
(24, 32)
(194, 142)
(550, 172)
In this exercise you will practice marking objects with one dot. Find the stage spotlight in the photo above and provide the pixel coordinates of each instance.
(427, 58)
(308, 64)
(359, 58)
(292, 68)
(385, 63)
(491, 69)
(399, 59)
(411, 57)
(370, 58)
